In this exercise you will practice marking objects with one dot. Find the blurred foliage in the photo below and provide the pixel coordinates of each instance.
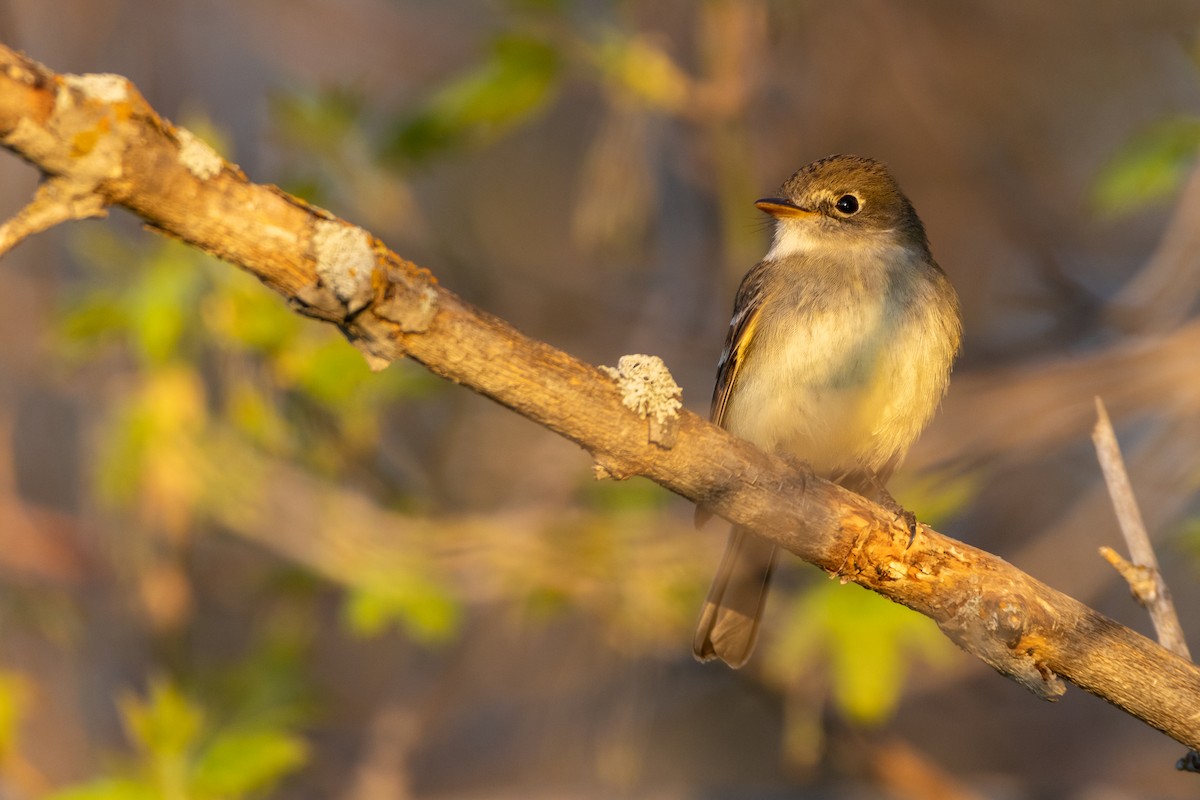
(292, 388)
(321, 120)
(524, 68)
(233, 732)
(515, 81)
(641, 69)
(1150, 167)
(329, 157)
(341, 141)
(635, 494)
(866, 642)
(936, 497)
(182, 755)
(14, 702)
(859, 645)
(208, 379)
(218, 366)
(422, 607)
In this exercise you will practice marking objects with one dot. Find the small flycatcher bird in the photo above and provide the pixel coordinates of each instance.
(838, 354)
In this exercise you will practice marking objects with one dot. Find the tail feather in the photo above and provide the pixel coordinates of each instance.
(730, 619)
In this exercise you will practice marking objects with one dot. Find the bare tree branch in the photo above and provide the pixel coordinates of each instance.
(57, 200)
(389, 308)
(1143, 574)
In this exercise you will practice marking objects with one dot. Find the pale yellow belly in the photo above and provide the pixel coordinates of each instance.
(842, 393)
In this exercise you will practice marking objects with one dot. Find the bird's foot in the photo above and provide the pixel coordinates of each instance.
(903, 514)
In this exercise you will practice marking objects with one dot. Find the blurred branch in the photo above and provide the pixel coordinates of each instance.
(1160, 296)
(906, 774)
(1037, 406)
(732, 39)
(390, 308)
(346, 537)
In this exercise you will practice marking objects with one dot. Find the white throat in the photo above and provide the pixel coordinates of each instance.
(803, 237)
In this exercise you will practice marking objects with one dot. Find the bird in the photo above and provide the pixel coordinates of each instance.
(838, 353)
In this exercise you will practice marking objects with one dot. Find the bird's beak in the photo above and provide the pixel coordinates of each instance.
(779, 208)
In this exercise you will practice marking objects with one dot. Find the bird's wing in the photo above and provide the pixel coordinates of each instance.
(742, 329)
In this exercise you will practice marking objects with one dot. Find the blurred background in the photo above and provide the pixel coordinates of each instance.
(235, 563)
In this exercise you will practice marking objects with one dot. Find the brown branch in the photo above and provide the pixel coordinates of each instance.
(58, 200)
(390, 308)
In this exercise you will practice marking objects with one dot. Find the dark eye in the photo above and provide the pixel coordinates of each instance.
(847, 204)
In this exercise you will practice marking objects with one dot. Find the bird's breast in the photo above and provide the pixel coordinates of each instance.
(843, 376)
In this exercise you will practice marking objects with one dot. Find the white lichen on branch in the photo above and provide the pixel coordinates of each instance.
(344, 261)
(96, 152)
(648, 389)
(197, 155)
(103, 87)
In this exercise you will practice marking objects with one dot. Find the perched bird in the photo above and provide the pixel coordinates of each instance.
(838, 354)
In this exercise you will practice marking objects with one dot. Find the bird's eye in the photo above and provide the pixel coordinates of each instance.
(847, 204)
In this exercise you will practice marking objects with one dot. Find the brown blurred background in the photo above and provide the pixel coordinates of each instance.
(234, 563)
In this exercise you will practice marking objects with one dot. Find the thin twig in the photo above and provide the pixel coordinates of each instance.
(57, 200)
(1142, 575)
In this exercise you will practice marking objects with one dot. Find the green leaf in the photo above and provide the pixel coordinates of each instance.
(167, 724)
(426, 610)
(867, 642)
(1149, 167)
(868, 670)
(162, 306)
(516, 80)
(242, 761)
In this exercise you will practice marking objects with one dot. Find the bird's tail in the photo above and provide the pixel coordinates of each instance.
(729, 621)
